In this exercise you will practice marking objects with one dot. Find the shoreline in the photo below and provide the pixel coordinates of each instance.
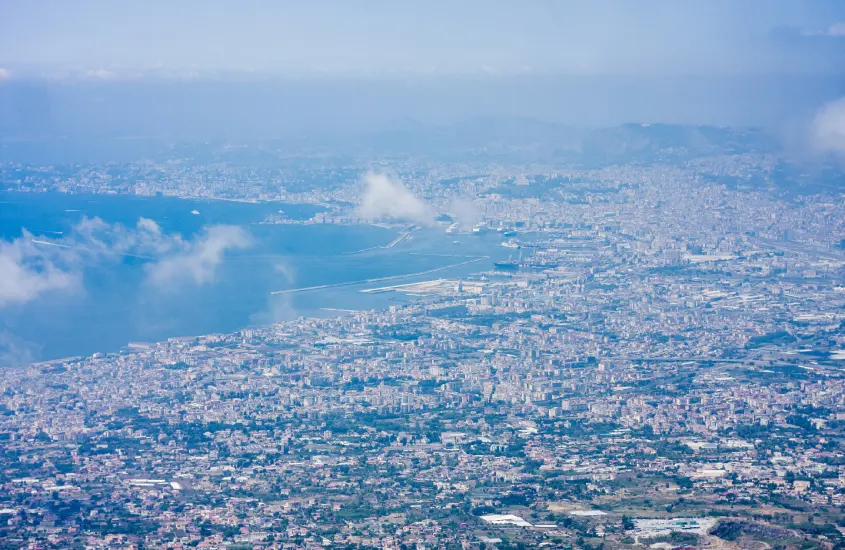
(396, 236)
(180, 197)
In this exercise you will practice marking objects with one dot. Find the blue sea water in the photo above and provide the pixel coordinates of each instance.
(117, 305)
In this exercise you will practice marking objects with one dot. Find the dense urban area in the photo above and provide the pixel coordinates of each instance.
(661, 363)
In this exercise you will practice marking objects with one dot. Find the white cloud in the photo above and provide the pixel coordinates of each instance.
(100, 74)
(28, 271)
(31, 267)
(828, 127)
(465, 211)
(387, 197)
(97, 236)
(279, 306)
(836, 30)
(198, 260)
(5, 73)
(148, 225)
(286, 272)
(15, 351)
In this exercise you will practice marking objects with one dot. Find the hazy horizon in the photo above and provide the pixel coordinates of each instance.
(278, 107)
(333, 69)
(99, 40)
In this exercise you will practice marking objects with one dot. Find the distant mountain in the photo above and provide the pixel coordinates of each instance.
(509, 139)
(537, 140)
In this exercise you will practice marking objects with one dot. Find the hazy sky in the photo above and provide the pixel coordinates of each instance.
(200, 67)
(104, 38)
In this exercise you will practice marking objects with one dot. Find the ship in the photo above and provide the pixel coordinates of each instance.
(510, 264)
(507, 266)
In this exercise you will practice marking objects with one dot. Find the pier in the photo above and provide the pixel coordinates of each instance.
(378, 279)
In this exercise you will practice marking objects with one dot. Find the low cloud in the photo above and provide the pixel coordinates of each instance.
(279, 306)
(836, 30)
(100, 74)
(28, 270)
(828, 128)
(199, 259)
(386, 196)
(465, 211)
(286, 272)
(16, 352)
(93, 235)
(32, 266)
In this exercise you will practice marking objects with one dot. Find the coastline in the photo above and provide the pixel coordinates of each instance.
(50, 337)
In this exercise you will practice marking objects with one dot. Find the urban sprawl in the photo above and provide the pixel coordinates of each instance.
(661, 363)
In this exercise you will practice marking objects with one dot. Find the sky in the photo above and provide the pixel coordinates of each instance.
(252, 68)
(106, 39)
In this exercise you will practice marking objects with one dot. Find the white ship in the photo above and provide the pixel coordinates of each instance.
(480, 228)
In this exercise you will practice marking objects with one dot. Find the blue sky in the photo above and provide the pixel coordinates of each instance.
(102, 39)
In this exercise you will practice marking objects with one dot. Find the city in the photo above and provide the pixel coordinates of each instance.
(661, 365)
(422, 275)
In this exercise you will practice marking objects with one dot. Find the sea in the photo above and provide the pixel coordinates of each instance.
(115, 303)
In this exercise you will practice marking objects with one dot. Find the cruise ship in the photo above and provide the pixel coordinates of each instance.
(479, 229)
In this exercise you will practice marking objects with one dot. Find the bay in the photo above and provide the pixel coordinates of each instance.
(117, 304)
